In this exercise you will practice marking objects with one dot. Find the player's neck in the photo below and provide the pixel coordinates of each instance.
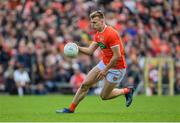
(103, 28)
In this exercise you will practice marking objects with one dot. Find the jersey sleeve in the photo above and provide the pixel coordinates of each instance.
(114, 39)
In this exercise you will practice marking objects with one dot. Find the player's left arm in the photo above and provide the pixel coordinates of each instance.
(114, 41)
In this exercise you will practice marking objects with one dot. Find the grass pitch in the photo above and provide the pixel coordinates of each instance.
(92, 108)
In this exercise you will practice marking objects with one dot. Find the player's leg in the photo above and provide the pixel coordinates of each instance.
(82, 91)
(109, 91)
(88, 82)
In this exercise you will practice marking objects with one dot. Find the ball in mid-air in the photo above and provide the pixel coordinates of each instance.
(71, 50)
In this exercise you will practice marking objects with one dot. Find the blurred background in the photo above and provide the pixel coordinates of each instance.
(34, 32)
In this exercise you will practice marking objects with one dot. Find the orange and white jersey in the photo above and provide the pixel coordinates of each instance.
(107, 39)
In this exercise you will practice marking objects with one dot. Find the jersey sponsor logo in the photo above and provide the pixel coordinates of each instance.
(101, 45)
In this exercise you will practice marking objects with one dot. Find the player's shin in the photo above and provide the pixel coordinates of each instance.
(80, 94)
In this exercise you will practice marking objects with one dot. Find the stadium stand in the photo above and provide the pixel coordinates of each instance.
(36, 37)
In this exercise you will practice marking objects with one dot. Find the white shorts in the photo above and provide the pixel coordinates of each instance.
(113, 75)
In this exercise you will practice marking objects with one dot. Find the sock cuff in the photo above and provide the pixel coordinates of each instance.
(126, 90)
(72, 106)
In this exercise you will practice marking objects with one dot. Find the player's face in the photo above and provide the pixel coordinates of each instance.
(96, 23)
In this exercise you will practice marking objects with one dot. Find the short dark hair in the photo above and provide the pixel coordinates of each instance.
(98, 13)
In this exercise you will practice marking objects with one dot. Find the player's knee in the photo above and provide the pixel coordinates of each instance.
(84, 87)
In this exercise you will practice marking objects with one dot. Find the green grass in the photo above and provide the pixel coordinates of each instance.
(42, 108)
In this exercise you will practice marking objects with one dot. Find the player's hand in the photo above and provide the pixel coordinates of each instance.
(102, 74)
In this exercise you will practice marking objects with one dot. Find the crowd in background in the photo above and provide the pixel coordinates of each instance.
(32, 40)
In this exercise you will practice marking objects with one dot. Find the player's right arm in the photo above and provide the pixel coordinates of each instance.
(89, 50)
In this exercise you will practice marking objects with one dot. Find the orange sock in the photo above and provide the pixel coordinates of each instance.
(126, 90)
(72, 107)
